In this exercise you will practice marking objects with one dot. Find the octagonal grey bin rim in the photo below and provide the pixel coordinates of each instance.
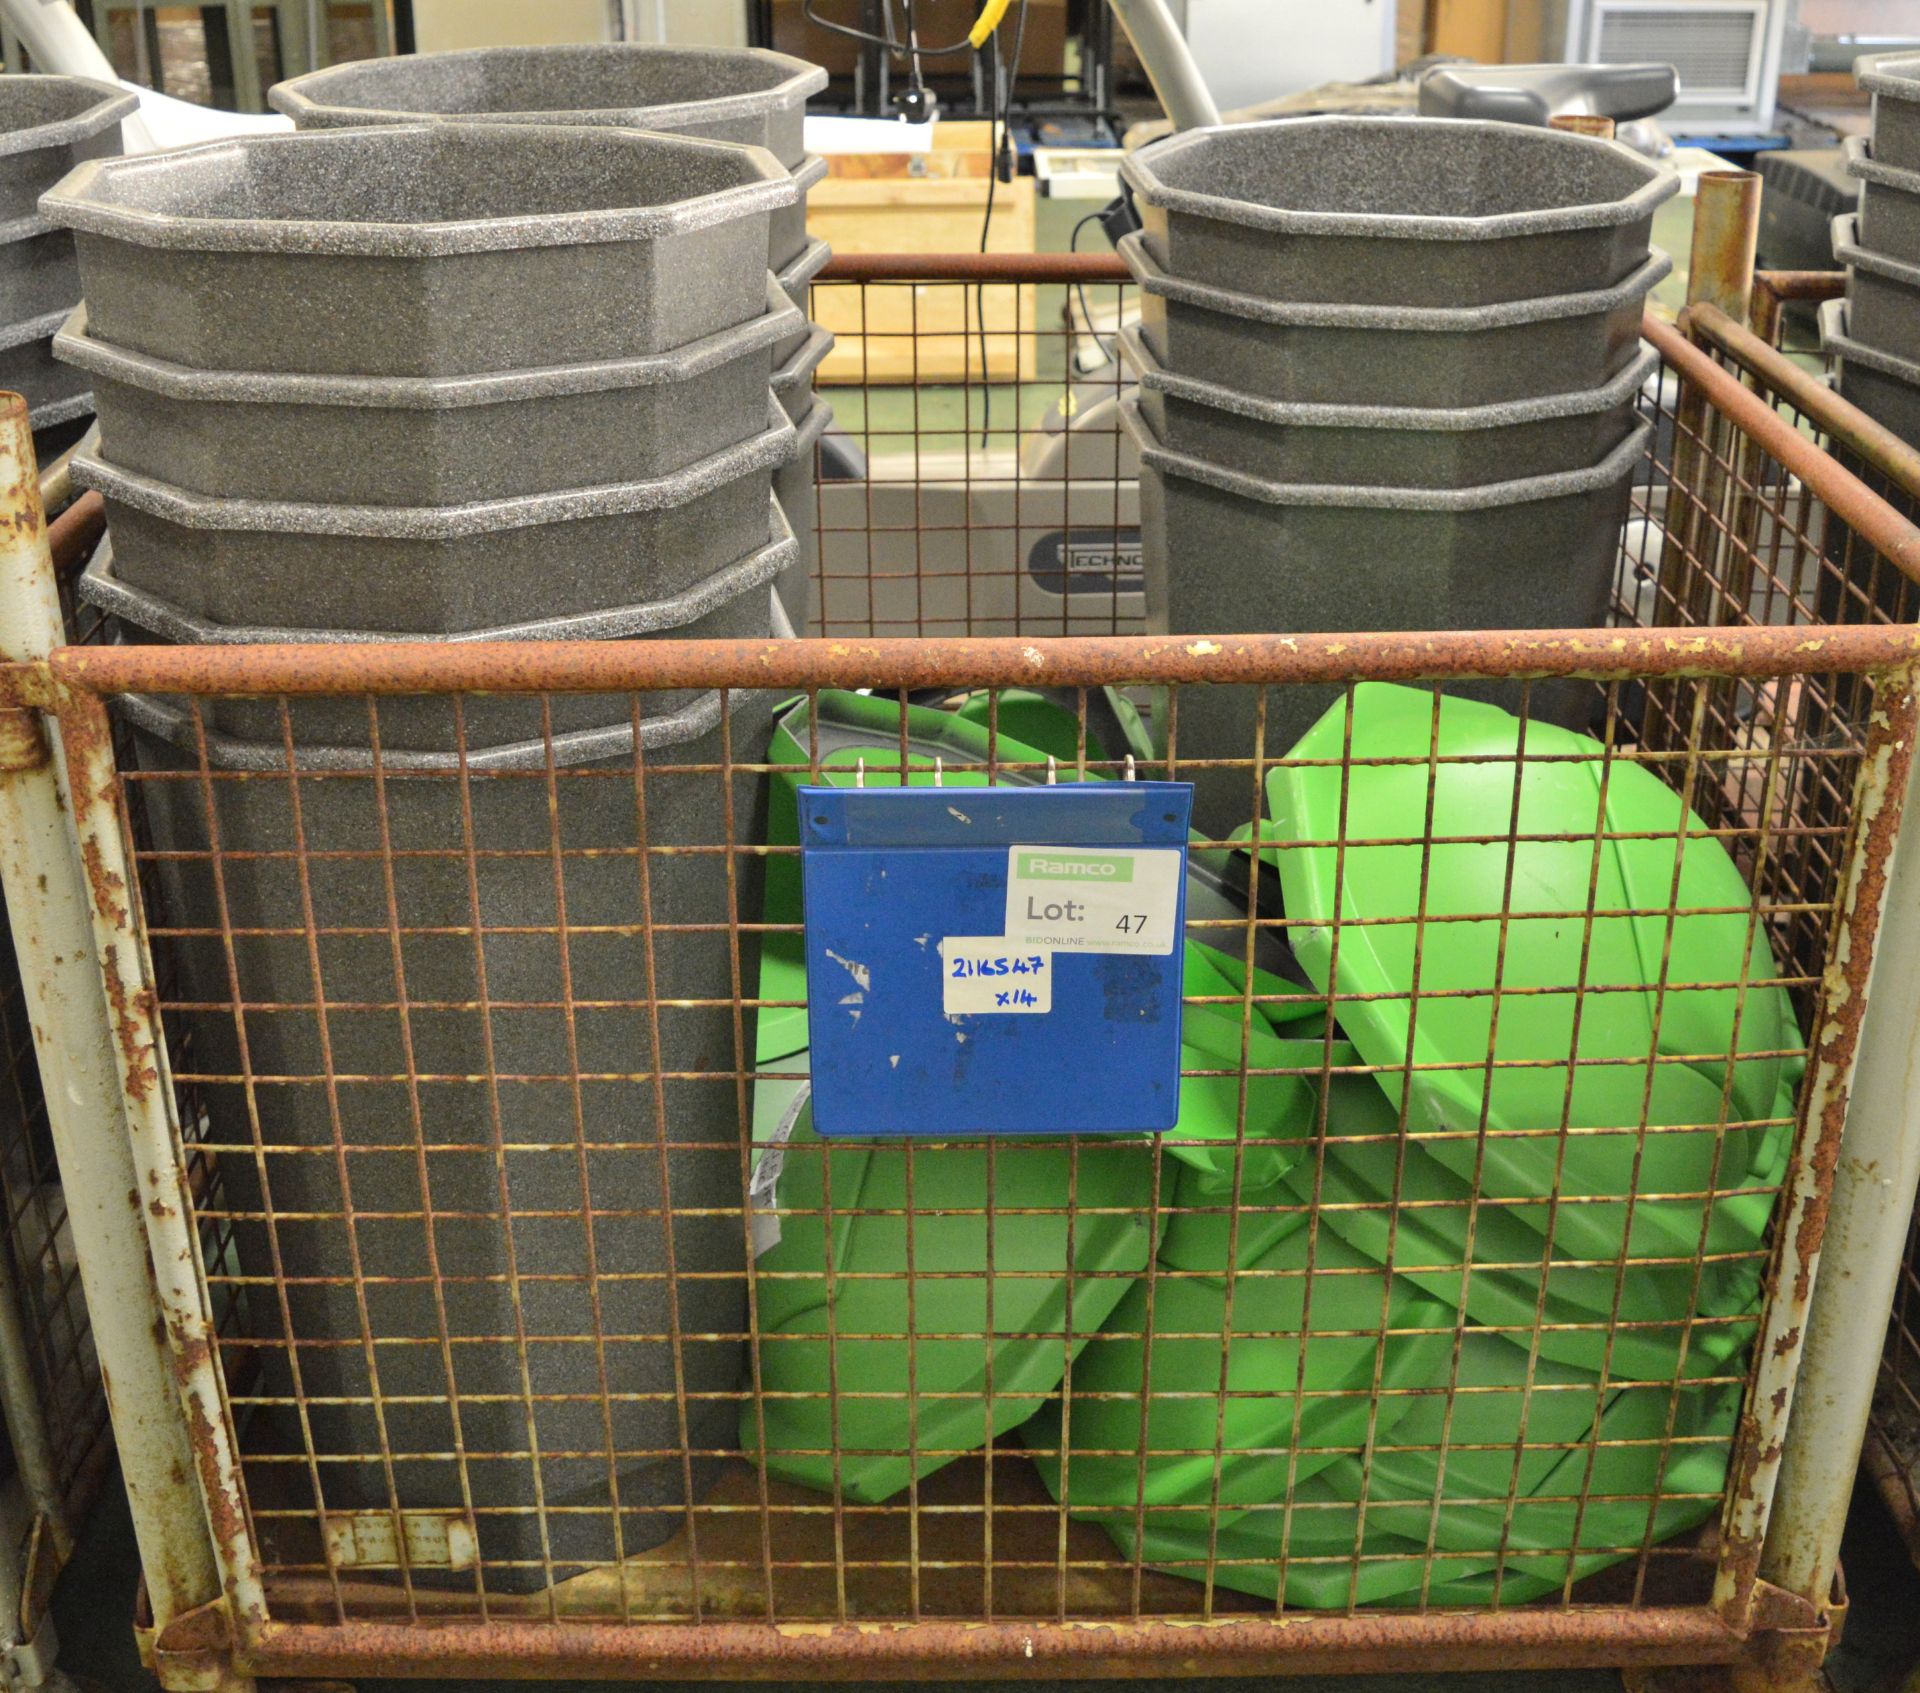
(78, 201)
(25, 228)
(109, 104)
(43, 328)
(1485, 496)
(1446, 419)
(306, 100)
(800, 274)
(426, 393)
(98, 586)
(1144, 172)
(1836, 339)
(1152, 277)
(1888, 216)
(175, 725)
(1883, 292)
(771, 448)
(793, 380)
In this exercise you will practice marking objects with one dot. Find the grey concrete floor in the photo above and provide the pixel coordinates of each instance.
(1880, 1652)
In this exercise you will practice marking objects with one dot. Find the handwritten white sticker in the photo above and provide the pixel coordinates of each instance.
(1079, 899)
(990, 976)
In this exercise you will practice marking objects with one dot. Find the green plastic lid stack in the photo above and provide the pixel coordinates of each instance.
(1609, 990)
(1347, 1470)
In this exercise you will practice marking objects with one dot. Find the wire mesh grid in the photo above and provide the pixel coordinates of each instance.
(482, 993)
(977, 481)
(1892, 470)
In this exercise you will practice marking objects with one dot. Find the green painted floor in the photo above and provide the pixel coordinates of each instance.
(1880, 1653)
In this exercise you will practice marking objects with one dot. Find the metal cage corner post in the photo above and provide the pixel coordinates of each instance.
(51, 920)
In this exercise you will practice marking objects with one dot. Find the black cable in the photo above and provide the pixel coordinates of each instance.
(892, 43)
(1080, 288)
(1000, 113)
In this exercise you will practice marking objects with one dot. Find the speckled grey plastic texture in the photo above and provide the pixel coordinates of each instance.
(431, 440)
(1883, 294)
(1391, 355)
(793, 486)
(725, 94)
(443, 569)
(27, 366)
(49, 124)
(797, 282)
(793, 380)
(1893, 79)
(1885, 387)
(787, 237)
(1226, 553)
(538, 835)
(441, 250)
(733, 603)
(1384, 446)
(1889, 213)
(1396, 211)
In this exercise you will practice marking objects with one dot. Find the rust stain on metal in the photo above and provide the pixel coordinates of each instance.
(22, 745)
(194, 1361)
(1319, 1644)
(1084, 661)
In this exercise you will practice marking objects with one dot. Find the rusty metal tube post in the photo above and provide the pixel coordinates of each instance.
(1726, 227)
(73, 1041)
(1875, 1180)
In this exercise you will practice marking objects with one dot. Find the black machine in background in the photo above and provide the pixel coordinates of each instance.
(1061, 87)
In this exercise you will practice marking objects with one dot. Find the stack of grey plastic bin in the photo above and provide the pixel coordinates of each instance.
(48, 124)
(1874, 333)
(460, 382)
(1388, 372)
(727, 94)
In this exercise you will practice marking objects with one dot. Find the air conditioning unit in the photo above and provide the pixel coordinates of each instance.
(1726, 51)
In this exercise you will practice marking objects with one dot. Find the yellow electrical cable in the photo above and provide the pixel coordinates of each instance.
(987, 22)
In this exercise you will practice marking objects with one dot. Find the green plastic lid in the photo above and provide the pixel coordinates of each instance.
(1664, 1315)
(1373, 1417)
(1569, 982)
(912, 1373)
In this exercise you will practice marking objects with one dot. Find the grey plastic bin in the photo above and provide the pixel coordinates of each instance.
(1893, 79)
(1888, 218)
(1402, 211)
(54, 393)
(731, 604)
(470, 1151)
(49, 124)
(1384, 446)
(445, 250)
(441, 568)
(1883, 295)
(1391, 355)
(1226, 553)
(725, 94)
(1885, 387)
(446, 440)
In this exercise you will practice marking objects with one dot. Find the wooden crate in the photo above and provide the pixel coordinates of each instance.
(924, 203)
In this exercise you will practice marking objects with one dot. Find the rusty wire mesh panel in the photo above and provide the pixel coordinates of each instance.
(978, 485)
(551, 1309)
